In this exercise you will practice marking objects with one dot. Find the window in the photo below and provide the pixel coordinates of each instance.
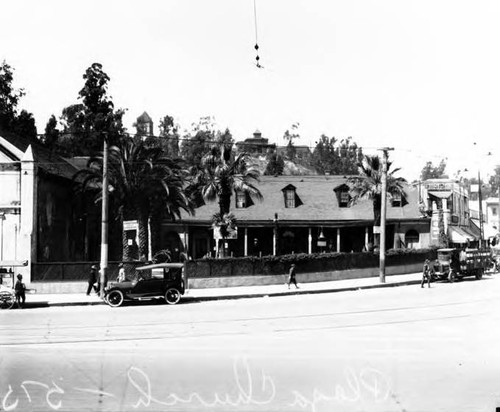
(494, 211)
(290, 198)
(412, 239)
(344, 198)
(241, 200)
(396, 200)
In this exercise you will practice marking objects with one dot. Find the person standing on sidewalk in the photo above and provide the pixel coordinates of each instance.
(291, 276)
(92, 280)
(20, 290)
(121, 273)
(427, 272)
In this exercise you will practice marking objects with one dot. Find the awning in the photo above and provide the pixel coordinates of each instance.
(441, 194)
(460, 234)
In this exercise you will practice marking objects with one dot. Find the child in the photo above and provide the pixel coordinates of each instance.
(20, 289)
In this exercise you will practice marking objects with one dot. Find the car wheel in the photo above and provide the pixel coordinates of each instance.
(172, 296)
(479, 274)
(115, 298)
(7, 300)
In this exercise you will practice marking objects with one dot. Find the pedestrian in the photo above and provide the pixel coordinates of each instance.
(427, 273)
(20, 290)
(92, 280)
(121, 273)
(291, 278)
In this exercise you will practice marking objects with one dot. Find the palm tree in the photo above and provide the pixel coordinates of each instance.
(143, 182)
(368, 185)
(226, 224)
(223, 173)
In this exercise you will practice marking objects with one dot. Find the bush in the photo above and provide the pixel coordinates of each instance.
(306, 263)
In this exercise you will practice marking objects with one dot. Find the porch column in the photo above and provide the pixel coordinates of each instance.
(367, 233)
(309, 239)
(245, 252)
(338, 239)
(185, 241)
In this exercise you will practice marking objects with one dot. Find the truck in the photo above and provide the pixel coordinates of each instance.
(454, 264)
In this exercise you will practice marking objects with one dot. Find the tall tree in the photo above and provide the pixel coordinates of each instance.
(289, 136)
(143, 182)
(9, 97)
(86, 124)
(368, 185)
(22, 124)
(51, 135)
(168, 139)
(198, 142)
(429, 171)
(331, 156)
(225, 137)
(494, 182)
(275, 165)
(222, 173)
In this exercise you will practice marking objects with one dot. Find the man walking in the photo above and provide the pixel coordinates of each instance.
(92, 280)
(427, 272)
(20, 291)
(291, 278)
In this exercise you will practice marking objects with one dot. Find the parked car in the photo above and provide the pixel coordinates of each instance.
(160, 280)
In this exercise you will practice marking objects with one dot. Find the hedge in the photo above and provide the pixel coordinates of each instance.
(305, 263)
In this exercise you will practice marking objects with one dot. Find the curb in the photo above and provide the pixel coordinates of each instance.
(299, 292)
(194, 299)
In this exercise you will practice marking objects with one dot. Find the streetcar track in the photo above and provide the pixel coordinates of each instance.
(226, 333)
(258, 319)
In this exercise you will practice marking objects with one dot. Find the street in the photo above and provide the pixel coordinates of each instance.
(391, 349)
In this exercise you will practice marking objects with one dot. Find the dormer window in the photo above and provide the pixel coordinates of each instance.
(398, 199)
(241, 200)
(290, 198)
(343, 196)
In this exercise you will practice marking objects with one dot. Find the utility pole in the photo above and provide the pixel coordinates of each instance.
(480, 198)
(383, 211)
(104, 219)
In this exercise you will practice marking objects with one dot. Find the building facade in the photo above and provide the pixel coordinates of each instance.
(301, 214)
(446, 201)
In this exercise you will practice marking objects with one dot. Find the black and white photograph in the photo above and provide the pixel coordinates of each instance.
(250, 205)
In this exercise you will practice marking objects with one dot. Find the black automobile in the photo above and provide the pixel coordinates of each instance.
(160, 280)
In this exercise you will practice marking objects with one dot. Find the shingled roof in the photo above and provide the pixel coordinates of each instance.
(46, 160)
(318, 203)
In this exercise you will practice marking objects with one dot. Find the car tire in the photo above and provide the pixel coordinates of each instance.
(115, 298)
(172, 296)
(479, 274)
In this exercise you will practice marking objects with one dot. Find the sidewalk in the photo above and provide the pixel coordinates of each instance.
(199, 295)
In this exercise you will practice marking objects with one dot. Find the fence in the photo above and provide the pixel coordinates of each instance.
(71, 271)
(247, 266)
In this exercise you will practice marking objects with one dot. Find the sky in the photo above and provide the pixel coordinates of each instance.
(422, 77)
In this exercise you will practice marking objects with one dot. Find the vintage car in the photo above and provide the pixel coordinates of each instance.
(454, 264)
(160, 280)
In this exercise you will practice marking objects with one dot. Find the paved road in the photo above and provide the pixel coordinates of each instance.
(396, 349)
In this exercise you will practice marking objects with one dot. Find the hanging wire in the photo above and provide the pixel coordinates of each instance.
(256, 47)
